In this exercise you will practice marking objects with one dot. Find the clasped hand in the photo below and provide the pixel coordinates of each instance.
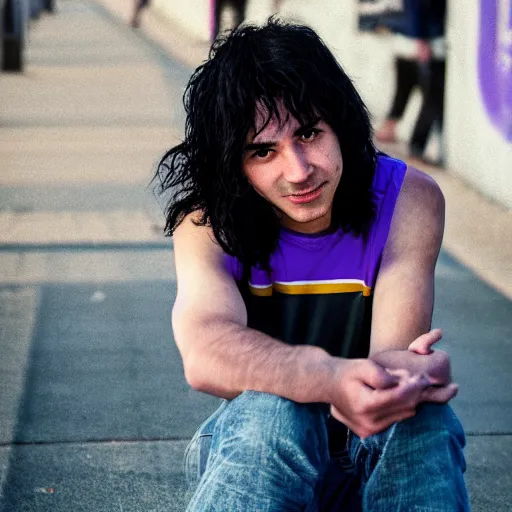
(369, 395)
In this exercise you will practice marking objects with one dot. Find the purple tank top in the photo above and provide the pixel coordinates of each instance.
(319, 291)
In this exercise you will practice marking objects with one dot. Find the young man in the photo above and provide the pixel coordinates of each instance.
(305, 265)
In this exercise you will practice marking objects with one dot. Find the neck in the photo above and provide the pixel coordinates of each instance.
(308, 228)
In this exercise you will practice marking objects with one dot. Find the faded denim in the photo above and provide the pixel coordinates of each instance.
(263, 453)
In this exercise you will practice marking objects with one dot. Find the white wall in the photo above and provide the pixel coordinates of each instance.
(474, 149)
(192, 15)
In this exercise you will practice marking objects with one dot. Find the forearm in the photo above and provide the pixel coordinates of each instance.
(236, 358)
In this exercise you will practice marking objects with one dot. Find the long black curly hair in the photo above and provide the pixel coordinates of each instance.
(262, 67)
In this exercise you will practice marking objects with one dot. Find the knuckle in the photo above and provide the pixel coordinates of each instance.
(412, 402)
(360, 363)
(368, 429)
(365, 366)
(442, 358)
(362, 409)
(402, 394)
(364, 433)
(410, 413)
(365, 402)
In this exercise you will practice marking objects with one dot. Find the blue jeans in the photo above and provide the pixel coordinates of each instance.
(263, 453)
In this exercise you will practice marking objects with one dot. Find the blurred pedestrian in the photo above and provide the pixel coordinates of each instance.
(419, 62)
(139, 5)
(305, 269)
(239, 8)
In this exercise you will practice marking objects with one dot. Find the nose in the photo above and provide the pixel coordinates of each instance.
(296, 167)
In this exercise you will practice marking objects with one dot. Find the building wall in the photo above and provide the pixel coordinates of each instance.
(476, 150)
(473, 147)
(192, 15)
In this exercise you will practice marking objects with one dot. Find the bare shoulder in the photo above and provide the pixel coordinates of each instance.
(420, 192)
(207, 292)
(199, 260)
(193, 241)
(418, 220)
(190, 227)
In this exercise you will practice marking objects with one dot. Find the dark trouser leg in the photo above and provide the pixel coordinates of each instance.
(239, 7)
(432, 85)
(406, 80)
(219, 9)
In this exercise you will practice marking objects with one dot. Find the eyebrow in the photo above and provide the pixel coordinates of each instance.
(255, 146)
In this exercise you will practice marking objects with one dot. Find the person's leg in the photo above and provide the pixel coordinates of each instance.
(239, 7)
(139, 5)
(432, 85)
(406, 80)
(197, 451)
(439, 72)
(261, 452)
(219, 9)
(341, 484)
(415, 465)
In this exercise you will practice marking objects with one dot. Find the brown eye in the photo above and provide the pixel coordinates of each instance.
(261, 153)
(309, 134)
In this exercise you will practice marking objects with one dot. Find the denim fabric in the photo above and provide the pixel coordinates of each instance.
(264, 453)
(415, 465)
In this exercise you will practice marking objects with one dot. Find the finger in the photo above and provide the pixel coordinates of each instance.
(397, 417)
(440, 368)
(440, 395)
(336, 414)
(403, 375)
(407, 393)
(383, 423)
(423, 344)
(400, 373)
(376, 377)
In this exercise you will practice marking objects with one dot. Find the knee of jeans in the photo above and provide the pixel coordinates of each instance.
(440, 417)
(449, 431)
(263, 419)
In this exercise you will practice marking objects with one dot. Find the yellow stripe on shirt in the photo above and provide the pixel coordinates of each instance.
(314, 288)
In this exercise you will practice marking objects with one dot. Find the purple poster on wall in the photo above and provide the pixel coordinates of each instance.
(495, 62)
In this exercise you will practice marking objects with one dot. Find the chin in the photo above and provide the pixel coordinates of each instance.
(309, 214)
(304, 221)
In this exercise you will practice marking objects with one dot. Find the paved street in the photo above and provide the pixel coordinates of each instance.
(94, 410)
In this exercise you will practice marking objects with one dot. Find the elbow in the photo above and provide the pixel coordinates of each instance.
(202, 373)
(195, 373)
(196, 364)
(197, 343)
(193, 367)
(185, 341)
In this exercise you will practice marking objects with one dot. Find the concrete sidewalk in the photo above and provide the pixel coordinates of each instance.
(94, 411)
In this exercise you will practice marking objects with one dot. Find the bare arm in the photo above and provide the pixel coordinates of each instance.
(402, 312)
(404, 293)
(221, 355)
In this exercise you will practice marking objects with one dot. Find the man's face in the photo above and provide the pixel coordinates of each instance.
(297, 169)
